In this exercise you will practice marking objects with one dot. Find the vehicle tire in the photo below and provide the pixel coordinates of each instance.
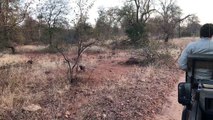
(185, 114)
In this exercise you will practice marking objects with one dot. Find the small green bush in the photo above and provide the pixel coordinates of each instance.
(135, 32)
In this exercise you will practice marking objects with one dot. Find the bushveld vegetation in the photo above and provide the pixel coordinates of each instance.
(64, 67)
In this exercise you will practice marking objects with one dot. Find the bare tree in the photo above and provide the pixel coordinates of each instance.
(30, 30)
(193, 25)
(12, 13)
(107, 23)
(137, 10)
(171, 17)
(82, 36)
(135, 14)
(143, 10)
(53, 12)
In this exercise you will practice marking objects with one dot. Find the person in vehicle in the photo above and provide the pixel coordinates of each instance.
(202, 46)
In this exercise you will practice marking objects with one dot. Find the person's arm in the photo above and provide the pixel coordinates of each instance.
(182, 62)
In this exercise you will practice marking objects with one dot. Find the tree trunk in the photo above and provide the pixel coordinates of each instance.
(137, 14)
(50, 37)
(179, 31)
(166, 39)
(12, 49)
(137, 4)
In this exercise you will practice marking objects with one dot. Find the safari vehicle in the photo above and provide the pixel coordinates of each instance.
(197, 94)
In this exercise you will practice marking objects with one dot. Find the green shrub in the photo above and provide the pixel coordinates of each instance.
(136, 32)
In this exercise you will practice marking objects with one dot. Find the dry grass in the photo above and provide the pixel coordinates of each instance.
(30, 48)
(182, 42)
(95, 50)
(8, 59)
(107, 90)
(23, 84)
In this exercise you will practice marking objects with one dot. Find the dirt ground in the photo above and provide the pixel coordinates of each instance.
(172, 110)
(109, 89)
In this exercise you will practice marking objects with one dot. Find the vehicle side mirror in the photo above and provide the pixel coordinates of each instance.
(184, 93)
